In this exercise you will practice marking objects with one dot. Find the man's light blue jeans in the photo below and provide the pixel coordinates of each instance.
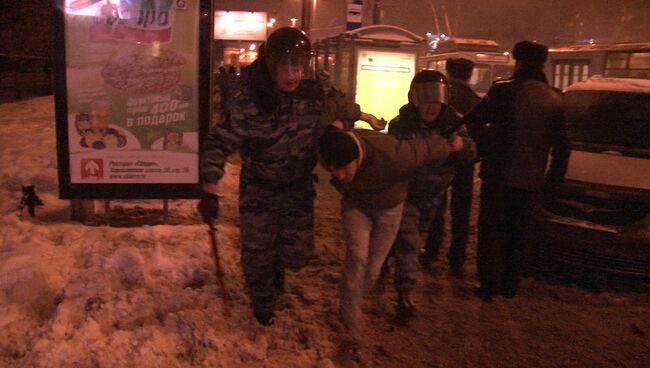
(369, 235)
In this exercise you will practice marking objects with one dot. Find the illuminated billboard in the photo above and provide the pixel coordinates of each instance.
(130, 103)
(377, 69)
(240, 25)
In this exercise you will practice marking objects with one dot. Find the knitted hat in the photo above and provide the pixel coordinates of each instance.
(337, 148)
(459, 68)
(530, 51)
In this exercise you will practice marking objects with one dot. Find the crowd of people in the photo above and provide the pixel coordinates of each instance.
(286, 118)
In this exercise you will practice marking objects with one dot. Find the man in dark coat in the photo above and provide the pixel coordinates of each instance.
(462, 99)
(515, 126)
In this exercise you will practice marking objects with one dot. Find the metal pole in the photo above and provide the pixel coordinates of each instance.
(214, 243)
(435, 17)
(449, 30)
(305, 21)
(107, 212)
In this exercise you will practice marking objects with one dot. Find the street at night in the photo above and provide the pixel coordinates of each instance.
(217, 183)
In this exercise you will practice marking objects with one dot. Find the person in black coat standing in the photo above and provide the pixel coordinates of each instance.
(462, 99)
(516, 125)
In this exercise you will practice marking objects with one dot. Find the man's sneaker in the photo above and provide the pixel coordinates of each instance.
(264, 318)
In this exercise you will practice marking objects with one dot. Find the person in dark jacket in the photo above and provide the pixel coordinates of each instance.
(427, 114)
(462, 99)
(274, 122)
(518, 123)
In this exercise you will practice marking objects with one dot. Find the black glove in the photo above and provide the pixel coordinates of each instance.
(209, 207)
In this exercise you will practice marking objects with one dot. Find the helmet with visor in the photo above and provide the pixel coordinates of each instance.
(428, 86)
(289, 49)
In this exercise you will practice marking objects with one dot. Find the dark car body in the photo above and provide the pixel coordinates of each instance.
(599, 219)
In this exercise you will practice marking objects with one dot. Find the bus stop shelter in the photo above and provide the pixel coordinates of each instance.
(374, 64)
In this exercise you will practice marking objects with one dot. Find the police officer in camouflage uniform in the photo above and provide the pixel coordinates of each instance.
(428, 113)
(274, 121)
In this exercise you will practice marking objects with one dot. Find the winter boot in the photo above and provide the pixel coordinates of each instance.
(264, 317)
(405, 309)
(278, 280)
(456, 271)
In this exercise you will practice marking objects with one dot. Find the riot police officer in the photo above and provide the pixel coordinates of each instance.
(274, 121)
(427, 113)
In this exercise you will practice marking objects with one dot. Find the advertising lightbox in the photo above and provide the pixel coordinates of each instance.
(240, 25)
(131, 102)
(377, 69)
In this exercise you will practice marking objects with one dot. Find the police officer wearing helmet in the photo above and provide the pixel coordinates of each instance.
(462, 98)
(427, 113)
(274, 121)
(517, 125)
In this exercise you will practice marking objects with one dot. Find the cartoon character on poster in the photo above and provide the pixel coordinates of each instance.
(97, 132)
(173, 141)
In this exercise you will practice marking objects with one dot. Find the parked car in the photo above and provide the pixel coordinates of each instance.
(599, 219)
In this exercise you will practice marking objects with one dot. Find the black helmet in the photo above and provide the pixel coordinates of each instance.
(288, 41)
(289, 46)
(428, 86)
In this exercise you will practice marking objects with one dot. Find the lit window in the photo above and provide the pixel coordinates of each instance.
(640, 60)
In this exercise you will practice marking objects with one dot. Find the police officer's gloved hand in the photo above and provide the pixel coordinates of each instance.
(209, 207)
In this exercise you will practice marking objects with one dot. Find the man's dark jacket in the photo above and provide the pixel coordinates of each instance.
(515, 126)
(461, 96)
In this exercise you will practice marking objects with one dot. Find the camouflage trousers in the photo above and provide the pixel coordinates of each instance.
(276, 225)
(409, 240)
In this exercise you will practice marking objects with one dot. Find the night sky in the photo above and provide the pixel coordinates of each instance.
(26, 26)
(553, 22)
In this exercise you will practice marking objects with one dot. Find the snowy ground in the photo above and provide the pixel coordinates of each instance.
(145, 295)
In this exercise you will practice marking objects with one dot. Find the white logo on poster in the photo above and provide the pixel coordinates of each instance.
(92, 168)
(181, 4)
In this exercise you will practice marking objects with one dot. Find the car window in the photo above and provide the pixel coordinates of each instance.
(502, 72)
(607, 117)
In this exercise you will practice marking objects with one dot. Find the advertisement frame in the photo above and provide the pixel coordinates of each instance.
(70, 190)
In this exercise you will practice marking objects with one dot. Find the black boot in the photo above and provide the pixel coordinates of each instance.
(405, 309)
(278, 280)
(264, 317)
(456, 271)
(263, 307)
(484, 294)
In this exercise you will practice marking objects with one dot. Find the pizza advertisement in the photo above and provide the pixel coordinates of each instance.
(132, 91)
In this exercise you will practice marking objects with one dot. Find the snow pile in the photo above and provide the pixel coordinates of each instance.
(146, 296)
